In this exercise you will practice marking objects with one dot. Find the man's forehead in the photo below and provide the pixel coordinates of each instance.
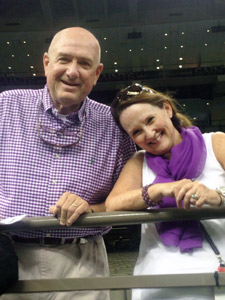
(77, 54)
(76, 38)
(76, 48)
(76, 41)
(83, 46)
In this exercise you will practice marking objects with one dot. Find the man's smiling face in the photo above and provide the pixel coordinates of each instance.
(72, 68)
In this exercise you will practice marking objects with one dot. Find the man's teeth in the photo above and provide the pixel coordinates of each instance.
(69, 83)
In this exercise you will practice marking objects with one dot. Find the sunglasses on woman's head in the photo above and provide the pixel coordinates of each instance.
(131, 91)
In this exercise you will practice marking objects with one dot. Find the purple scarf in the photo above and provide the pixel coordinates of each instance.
(187, 161)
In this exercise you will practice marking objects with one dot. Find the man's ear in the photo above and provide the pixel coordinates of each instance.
(45, 62)
(98, 72)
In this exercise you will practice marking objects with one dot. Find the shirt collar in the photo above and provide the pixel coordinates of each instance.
(48, 107)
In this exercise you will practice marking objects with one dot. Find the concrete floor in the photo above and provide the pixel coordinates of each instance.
(122, 244)
(121, 263)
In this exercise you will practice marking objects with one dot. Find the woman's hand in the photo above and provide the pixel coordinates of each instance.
(169, 189)
(186, 192)
(196, 194)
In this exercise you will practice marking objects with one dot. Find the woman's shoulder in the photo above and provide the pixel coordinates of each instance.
(218, 144)
(218, 134)
(218, 139)
(214, 137)
(137, 158)
(139, 155)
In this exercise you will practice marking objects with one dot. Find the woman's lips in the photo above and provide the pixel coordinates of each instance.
(156, 140)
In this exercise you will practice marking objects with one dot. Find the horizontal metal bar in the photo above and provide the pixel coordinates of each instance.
(117, 283)
(119, 218)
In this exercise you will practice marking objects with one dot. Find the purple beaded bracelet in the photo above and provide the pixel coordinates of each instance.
(146, 198)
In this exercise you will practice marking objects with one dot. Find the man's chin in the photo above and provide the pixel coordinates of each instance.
(68, 103)
(68, 97)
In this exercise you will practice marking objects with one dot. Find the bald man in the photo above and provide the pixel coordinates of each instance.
(61, 154)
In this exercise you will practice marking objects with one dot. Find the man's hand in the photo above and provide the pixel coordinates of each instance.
(69, 207)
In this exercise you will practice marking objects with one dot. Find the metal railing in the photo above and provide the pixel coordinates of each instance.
(118, 282)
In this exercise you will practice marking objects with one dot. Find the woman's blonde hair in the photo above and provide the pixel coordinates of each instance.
(151, 96)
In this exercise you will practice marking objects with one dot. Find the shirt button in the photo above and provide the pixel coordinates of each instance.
(54, 181)
(57, 156)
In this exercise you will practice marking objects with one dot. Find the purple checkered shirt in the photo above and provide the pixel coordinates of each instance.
(35, 174)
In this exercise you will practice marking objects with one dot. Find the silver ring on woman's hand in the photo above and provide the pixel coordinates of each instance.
(74, 204)
(194, 196)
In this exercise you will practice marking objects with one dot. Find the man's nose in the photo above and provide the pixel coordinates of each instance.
(72, 70)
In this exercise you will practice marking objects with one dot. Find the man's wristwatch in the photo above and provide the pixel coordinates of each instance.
(221, 192)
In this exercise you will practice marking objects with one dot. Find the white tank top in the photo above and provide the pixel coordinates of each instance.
(155, 258)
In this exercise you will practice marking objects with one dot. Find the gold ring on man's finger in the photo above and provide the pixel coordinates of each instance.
(74, 204)
(194, 196)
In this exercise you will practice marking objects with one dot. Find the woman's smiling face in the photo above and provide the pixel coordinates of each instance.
(150, 127)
